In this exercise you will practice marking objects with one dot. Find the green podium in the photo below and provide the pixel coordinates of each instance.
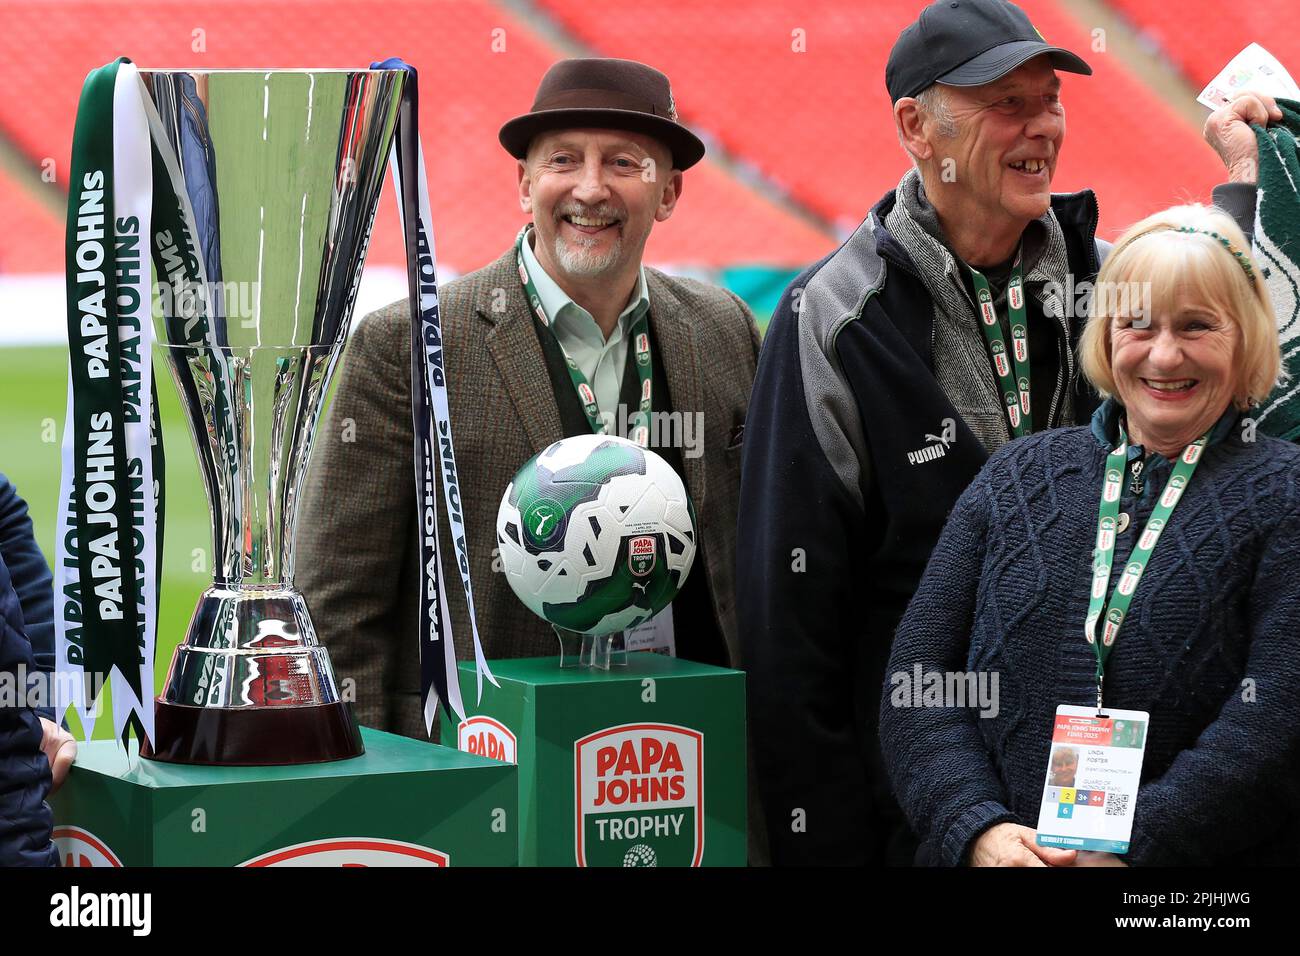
(402, 803)
(642, 765)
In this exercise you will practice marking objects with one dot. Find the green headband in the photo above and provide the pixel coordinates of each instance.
(1240, 256)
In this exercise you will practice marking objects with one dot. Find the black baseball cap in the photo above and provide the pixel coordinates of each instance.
(968, 43)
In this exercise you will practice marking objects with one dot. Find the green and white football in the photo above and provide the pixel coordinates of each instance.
(597, 534)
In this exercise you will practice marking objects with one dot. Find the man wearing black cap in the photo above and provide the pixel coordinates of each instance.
(601, 160)
(880, 395)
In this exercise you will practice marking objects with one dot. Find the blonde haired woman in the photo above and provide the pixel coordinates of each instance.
(1171, 496)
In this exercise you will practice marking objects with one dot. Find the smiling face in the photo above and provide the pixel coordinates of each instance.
(1176, 376)
(1181, 327)
(1008, 137)
(594, 196)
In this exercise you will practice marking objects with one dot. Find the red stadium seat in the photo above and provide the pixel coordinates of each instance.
(818, 121)
(1201, 37)
(478, 64)
(31, 235)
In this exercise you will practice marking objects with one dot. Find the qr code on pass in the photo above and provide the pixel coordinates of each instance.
(1116, 804)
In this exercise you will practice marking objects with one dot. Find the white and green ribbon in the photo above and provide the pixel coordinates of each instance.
(108, 551)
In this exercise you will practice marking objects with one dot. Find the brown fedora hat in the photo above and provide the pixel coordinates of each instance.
(604, 94)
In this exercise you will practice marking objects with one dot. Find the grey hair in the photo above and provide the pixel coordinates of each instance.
(933, 101)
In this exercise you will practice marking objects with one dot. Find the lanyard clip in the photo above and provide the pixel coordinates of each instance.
(1136, 485)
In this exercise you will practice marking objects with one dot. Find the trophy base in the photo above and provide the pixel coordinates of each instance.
(253, 736)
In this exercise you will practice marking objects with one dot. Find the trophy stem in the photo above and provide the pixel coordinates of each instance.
(250, 684)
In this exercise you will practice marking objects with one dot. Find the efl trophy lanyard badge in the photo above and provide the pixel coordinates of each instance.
(1012, 371)
(1094, 773)
(640, 333)
(1107, 519)
(152, 175)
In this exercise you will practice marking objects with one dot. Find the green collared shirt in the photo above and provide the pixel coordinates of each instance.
(599, 359)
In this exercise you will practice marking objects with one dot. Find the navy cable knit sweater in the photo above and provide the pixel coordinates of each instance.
(1210, 647)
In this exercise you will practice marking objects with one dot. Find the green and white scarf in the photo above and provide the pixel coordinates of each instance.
(1276, 251)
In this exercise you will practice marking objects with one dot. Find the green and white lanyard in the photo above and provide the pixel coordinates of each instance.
(1014, 387)
(1107, 518)
(640, 333)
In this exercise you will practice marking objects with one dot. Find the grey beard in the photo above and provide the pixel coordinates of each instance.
(581, 262)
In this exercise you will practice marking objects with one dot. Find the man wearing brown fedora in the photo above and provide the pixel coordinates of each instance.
(601, 160)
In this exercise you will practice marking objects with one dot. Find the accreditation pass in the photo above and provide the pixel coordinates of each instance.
(1091, 785)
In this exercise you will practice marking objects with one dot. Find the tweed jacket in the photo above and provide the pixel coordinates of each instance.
(356, 527)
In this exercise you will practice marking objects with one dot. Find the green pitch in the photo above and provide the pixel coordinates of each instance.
(33, 396)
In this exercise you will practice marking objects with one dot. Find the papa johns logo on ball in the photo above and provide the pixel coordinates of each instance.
(641, 552)
(639, 785)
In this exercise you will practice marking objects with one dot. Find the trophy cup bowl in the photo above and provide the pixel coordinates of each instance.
(281, 173)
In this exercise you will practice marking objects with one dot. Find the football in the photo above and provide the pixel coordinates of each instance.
(596, 534)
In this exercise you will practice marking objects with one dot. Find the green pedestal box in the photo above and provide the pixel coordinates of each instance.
(402, 803)
(642, 765)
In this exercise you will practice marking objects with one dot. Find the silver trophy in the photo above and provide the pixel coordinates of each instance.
(281, 172)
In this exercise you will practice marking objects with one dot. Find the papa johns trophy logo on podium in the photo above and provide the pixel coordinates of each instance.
(352, 851)
(78, 847)
(487, 738)
(639, 785)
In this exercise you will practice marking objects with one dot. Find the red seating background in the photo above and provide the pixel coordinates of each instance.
(468, 91)
(1201, 36)
(819, 122)
(789, 93)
